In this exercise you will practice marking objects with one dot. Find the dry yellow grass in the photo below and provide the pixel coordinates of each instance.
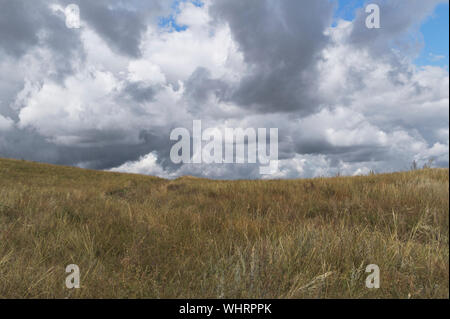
(143, 237)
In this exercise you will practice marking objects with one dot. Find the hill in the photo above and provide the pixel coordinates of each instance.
(136, 236)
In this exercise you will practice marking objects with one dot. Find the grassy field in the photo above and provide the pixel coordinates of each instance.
(143, 237)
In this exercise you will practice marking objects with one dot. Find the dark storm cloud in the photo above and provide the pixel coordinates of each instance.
(27, 24)
(200, 86)
(18, 20)
(28, 144)
(349, 154)
(121, 23)
(281, 41)
(360, 153)
(120, 27)
(140, 92)
(9, 87)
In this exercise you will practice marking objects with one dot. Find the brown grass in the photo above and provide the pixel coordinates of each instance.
(144, 237)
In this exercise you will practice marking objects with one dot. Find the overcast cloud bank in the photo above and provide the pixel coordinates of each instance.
(346, 99)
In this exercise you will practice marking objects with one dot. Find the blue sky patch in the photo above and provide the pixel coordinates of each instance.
(435, 33)
(170, 21)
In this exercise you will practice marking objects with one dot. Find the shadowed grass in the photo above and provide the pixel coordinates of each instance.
(143, 237)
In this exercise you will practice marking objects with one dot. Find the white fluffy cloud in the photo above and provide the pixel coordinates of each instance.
(147, 164)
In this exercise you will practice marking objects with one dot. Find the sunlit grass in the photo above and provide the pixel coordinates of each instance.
(144, 237)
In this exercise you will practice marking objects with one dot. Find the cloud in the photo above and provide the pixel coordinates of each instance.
(26, 25)
(121, 23)
(281, 42)
(145, 165)
(5, 123)
(398, 19)
(107, 95)
(436, 57)
(17, 26)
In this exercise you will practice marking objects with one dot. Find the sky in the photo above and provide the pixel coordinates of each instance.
(345, 99)
(435, 33)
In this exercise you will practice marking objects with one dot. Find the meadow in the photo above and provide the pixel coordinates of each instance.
(136, 236)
